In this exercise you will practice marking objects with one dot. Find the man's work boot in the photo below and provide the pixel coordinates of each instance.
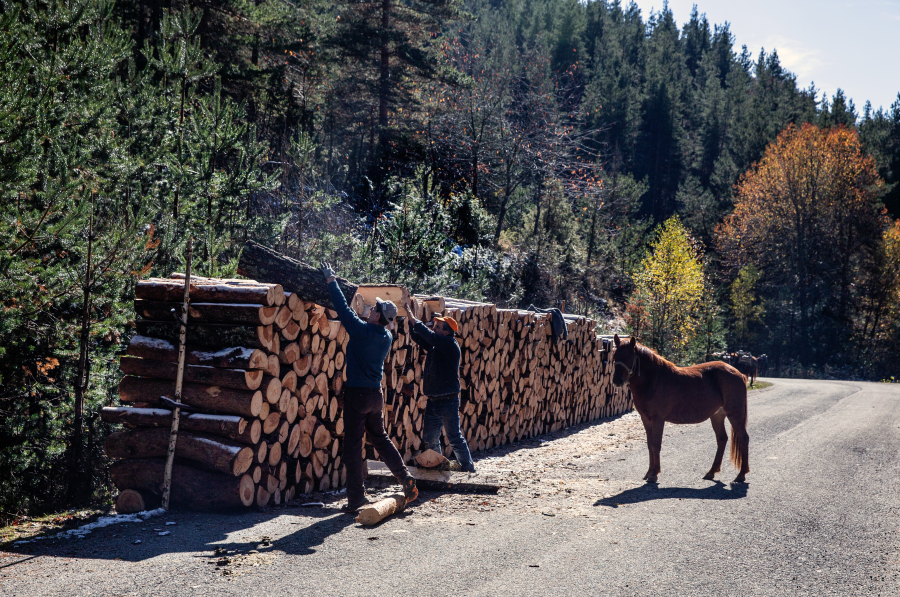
(409, 489)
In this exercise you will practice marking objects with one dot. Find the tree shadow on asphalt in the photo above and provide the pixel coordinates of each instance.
(201, 534)
(652, 491)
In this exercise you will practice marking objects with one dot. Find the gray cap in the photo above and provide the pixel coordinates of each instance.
(387, 308)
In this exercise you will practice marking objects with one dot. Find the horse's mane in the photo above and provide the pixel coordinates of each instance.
(654, 357)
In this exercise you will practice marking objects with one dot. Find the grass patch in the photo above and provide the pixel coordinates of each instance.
(27, 527)
(760, 385)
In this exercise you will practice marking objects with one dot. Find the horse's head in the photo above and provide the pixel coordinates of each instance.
(625, 360)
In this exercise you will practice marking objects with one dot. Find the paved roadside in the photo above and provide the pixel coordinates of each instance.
(818, 517)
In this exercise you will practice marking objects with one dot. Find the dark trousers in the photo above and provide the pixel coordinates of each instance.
(443, 411)
(364, 412)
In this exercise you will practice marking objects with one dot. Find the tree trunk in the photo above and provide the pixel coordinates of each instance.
(228, 358)
(192, 488)
(384, 83)
(81, 374)
(213, 454)
(172, 290)
(232, 427)
(238, 379)
(307, 282)
(210, 336)
(218, 399)
(202, 313)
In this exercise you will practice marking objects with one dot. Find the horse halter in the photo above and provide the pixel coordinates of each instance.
(635, 368)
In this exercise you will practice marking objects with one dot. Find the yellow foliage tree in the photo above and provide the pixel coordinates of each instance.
(666, 306)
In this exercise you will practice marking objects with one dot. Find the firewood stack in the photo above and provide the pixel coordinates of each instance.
(265, 373)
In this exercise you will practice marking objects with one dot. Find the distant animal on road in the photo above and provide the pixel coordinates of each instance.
(748, 365)
(763, 364)
(664, 392)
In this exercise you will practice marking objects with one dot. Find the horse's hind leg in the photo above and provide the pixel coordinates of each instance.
(718, 425)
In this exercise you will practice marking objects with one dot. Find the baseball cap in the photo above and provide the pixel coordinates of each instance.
(387, 308)
(449, 321)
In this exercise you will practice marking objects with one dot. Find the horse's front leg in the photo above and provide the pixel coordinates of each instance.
(648, 428)
(654, 444)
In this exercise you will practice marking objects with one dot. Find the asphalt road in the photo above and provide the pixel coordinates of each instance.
(818, 516)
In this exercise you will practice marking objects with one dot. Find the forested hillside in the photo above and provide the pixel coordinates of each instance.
(662, 179)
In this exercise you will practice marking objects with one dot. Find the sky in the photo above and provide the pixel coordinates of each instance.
(854, 46)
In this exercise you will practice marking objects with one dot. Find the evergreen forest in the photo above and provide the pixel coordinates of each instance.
(664, 180)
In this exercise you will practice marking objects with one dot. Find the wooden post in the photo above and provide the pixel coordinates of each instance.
(176, 412)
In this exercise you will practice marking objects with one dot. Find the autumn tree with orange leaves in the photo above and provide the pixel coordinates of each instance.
(807, 216)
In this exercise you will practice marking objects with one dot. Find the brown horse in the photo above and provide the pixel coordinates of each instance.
(663, 392)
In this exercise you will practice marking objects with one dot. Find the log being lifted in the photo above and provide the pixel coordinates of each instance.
(246, 403)
(262, 263)
(191, 487)
(213, 454)
(233, 427)
(375, 513)
(205, 291)
(229, 358)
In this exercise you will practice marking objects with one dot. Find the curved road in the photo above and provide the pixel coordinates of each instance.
(819, 516)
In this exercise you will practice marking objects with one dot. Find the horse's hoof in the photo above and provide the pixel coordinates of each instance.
(739, 479)
(651, 480)
(709, 476)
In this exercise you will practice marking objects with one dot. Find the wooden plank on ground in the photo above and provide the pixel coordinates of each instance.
(437, 480)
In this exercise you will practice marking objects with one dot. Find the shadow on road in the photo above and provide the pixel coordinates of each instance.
(652, 491)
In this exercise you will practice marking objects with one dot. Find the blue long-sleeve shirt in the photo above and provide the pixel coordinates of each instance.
(368, 346)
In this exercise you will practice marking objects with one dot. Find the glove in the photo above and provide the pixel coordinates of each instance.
(326, 270)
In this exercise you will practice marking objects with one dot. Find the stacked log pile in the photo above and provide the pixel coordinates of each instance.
(265, 374)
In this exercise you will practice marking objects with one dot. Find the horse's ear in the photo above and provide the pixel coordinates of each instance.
(633, 340)
(616, 340)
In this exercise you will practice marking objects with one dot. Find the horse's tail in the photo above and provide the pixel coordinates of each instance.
(736, 410)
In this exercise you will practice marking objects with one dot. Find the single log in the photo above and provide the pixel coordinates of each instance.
(209, 453)
(238, 379)
(209, 336)
(271, 422)
(204, 313)
(228, 358)
(191, 487)
(305, 445)
(386, 292)
(375, 513)
(131, 501)
(204, 291)
(322, 437)
(297, 277)
(274, 453)
(219, 399)
(230, 426)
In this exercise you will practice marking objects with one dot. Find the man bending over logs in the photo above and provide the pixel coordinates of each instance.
(370, 342)
(441, 385)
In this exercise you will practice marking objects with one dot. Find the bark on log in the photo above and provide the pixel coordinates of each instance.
(203, 313)
(228, 358)
(239, 379)
(169, 290)
(306, 281)
(230, 426)
(213, 454)
(209, 336)
(209, 398)
(191, 487)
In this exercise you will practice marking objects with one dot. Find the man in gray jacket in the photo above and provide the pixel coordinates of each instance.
(440, 382)
(370, 342)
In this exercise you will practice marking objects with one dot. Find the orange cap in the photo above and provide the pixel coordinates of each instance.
(449, 321)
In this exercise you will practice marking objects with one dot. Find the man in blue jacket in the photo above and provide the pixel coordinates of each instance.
(370, 342)
(440, 382)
